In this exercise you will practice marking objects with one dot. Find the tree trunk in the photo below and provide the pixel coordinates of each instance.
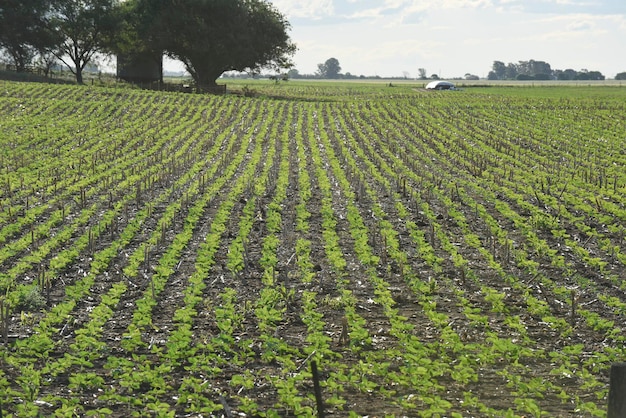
(19, 59)
(206, 85)
(205, 79)
(20, 66)
(79, 74)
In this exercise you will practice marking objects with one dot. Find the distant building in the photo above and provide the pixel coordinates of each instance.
(141, 67)
(440, 85)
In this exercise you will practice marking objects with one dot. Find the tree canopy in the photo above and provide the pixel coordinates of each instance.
(538, 70)
(329, 69)
(84, 28)
(24, 29)
(211, 37)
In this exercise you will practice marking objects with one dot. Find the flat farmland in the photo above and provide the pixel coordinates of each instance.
(434, 254)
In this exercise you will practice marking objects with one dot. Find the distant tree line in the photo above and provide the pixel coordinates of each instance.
(329, 69)
(538, 70)
(209, 37)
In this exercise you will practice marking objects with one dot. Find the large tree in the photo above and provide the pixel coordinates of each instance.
(85, 28)
(211, 37)
(137, 40)
(24, 30)
(567, 74)
(534, 69)
(329, 69)
(499, 71)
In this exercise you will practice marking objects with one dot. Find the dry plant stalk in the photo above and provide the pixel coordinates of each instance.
(573, 300)
(4, 320)
(344, 338)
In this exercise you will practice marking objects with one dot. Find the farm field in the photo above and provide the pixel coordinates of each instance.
(436, 254)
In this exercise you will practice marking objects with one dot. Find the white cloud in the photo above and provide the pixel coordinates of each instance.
(466, 4)
(367, 13)
(311, 9)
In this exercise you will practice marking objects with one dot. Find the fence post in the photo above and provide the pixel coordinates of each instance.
(617, 391)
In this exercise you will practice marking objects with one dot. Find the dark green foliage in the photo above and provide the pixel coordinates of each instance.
(84, 28)
(214, 36)
(208, 36)
(538, 70)
(24, 30)
(329, 69)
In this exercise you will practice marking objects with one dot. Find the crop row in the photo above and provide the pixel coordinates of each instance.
(434, 254)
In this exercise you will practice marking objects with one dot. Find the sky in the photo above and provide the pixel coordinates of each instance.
(451, 38)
